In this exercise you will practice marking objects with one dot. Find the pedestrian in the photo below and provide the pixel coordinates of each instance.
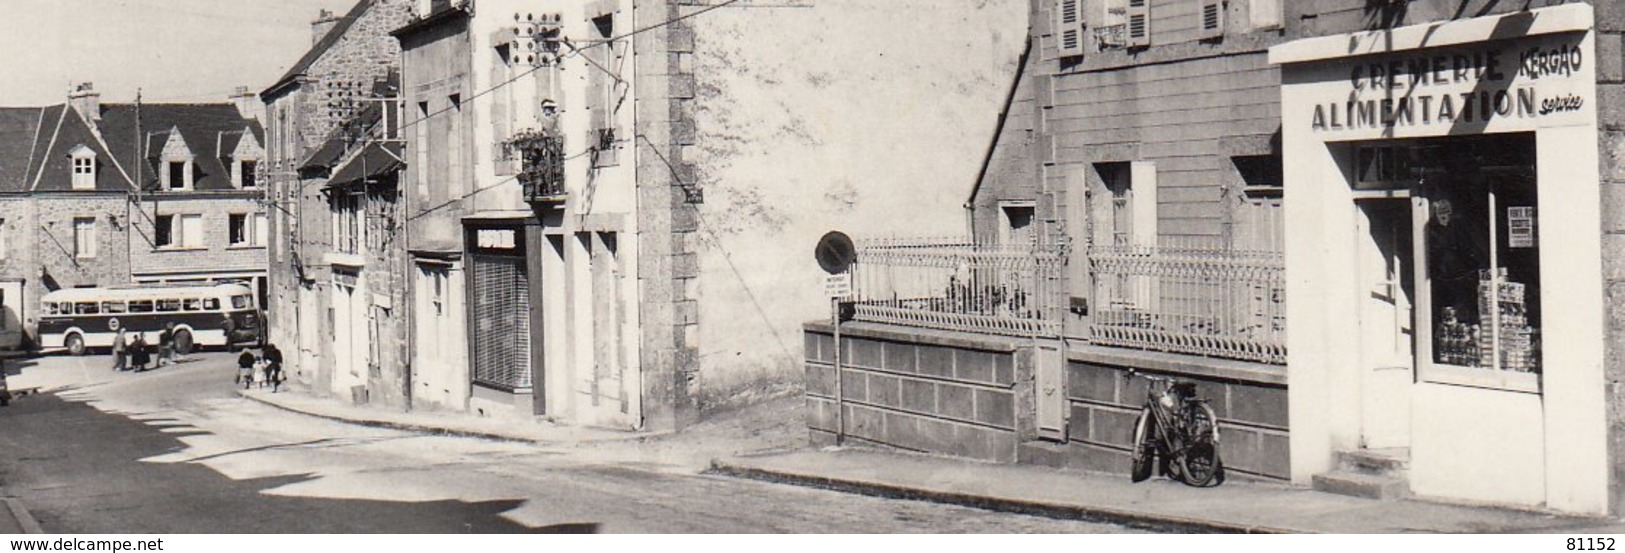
(120, 356)
(5, 391)
(273, 366)
(166, 345)
(139, 357)
(245, 368)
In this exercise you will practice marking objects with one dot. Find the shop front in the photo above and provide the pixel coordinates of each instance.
(504, 336)
(1444, 256)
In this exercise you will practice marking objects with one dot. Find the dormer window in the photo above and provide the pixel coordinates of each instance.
(84, 168)
(176, 173)
(244, 160)
(176, 177)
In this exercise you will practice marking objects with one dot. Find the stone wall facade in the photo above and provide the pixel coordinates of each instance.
(216, 255)
(919, 390)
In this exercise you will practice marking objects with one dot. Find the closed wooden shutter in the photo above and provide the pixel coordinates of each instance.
(1069, 28)
(1139, 22)
(1211, 20)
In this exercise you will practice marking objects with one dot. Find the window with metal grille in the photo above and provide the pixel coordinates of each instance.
(501, 322)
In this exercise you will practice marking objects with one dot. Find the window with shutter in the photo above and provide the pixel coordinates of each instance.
(1139, 22)
(1265, 14)
(1068, 28)
(1211, 24)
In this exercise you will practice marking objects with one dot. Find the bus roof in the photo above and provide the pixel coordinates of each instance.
(145, 291)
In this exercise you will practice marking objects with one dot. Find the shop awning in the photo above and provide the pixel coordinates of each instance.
(375, 160)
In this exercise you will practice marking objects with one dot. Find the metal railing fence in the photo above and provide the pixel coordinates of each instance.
(1202, 301)
(953, 284)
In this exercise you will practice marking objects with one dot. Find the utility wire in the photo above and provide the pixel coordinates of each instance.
(576, 51)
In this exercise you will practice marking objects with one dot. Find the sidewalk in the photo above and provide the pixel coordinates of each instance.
(14, 518)
(1236, 506)
(451, 424)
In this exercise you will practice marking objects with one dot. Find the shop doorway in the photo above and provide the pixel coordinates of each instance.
(1387, 321)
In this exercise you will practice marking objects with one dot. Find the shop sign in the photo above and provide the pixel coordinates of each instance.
(495, 239)
(1492, 86)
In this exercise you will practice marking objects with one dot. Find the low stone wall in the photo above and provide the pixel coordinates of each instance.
(972, 396)
(1250, 400)
(919, 390)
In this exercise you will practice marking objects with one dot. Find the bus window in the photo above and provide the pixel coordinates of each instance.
(193, 304)
(211, 304)
(48, 308)
(86, 308)
(113, 307)
(169, 305)
(140, 306)
(240, 302)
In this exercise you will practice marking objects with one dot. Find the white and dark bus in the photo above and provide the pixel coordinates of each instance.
(220, 315)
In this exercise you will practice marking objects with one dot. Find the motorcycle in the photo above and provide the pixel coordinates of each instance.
(1177, 432)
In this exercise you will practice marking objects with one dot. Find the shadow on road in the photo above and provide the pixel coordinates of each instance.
(81, 471)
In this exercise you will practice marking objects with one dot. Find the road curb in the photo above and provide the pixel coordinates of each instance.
(23, 517)
(1086, 513)
(438, 430)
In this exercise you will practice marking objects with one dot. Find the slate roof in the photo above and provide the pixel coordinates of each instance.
(35, 142)
(315, 53)
(18, 127)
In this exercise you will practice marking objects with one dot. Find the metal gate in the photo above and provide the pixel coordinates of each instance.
(501, 333)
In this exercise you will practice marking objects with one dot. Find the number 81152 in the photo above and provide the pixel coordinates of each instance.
(1591, 544)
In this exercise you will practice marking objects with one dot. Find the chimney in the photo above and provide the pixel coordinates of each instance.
(324, 22)
(248, 104)
(87, 102)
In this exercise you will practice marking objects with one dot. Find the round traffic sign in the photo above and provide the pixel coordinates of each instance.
(835, 252)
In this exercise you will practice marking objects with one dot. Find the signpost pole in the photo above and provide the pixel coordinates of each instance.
(835, 253)
(840, 396)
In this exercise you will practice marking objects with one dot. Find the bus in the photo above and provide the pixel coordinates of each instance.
(220, 315)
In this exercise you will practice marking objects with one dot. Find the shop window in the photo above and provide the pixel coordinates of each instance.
(1481, 256)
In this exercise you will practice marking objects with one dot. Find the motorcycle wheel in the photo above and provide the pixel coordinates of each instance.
(1141, 462)
(1200, 465)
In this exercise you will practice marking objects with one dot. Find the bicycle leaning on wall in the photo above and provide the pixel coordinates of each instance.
(1177, 432)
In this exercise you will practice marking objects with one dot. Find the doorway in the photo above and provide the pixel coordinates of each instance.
(1387, 321)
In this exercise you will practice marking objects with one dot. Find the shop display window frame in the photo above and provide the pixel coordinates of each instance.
(1399, 181)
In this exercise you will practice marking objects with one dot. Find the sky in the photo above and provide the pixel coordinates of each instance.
(173, 50)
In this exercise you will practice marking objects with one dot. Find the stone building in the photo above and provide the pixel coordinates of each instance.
(615, 201)
(1368, 175)
(307, 110)
(103, 194)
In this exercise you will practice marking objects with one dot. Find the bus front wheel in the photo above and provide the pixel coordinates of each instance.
(76, 344)
(183, 342)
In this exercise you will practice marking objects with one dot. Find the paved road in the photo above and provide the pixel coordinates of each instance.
(176, 451)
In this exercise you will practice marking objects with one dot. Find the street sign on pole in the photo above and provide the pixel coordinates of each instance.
(838, 286)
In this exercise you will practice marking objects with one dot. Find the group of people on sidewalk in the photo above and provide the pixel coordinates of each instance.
(133, 354)
(268, 365)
